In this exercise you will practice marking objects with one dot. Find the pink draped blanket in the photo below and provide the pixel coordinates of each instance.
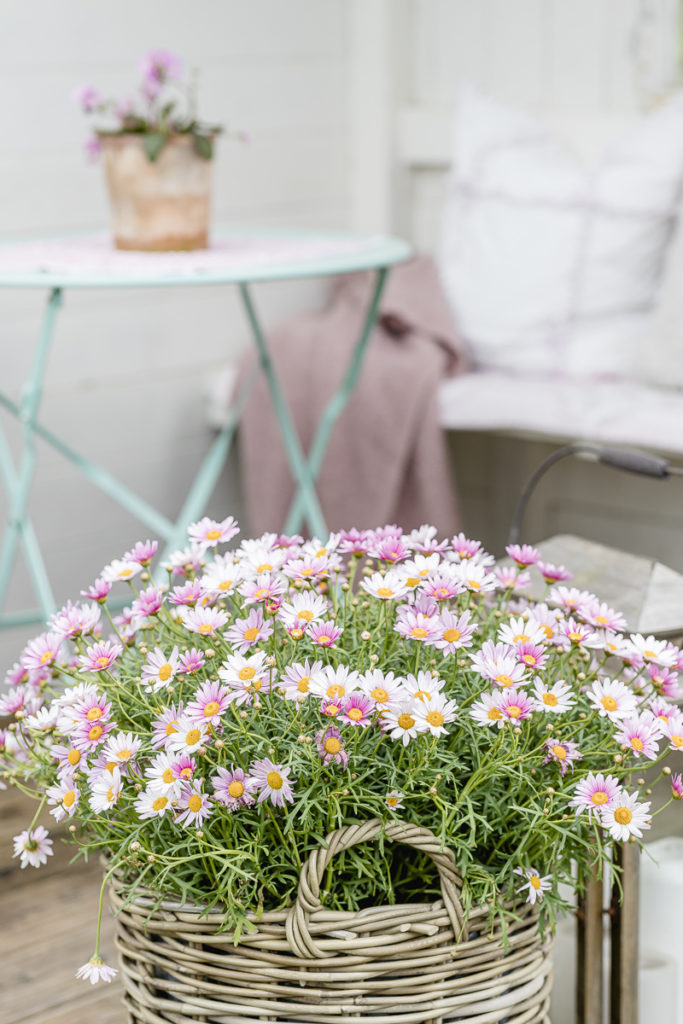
(387, 459)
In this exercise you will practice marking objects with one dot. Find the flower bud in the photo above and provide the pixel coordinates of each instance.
(365, 635)
(666, 770)
(135, 846)
(151, 858)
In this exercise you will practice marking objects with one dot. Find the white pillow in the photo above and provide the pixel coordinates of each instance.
(549, 264)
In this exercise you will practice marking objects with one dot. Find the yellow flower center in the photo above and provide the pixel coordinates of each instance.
(550, 699)
(110, 794)
(332, 745)
(168, 776)
(495, 714)
(213, 535)
(406, 721)
(332, 710)
(529, 659)
(303, 684)
(622, 815)
(636, 743)
(194, 804)
(246, 673)
(186, 773)
(535, 881)
(521, 638)
(69, 798)
(93, 714)
(355, 714)
(95, 732)
(306, 615)
(274, 780)
(504, 680)
(609, 703)
(423, 695)
(435, 718)
(576, 637)
(124, 755)
(264, 567)
(548, 631)
(125, 573)
(159, 803)
(74, 756)
(46, 656)
(251, 633)
(323, 639)
(205, 628)
(165, 672)
(380, 695)
(601, 620)
(599, 798)
(212, 708)
(677, 741)
(451, 636)
(335, 690)
(475, 584)
(225, 584)
(102, 661)
(236, 789)
(261, 592)
(418, 632)
(392, 801)
(192, 737)
(442, 592)
(413, 581)
(514, 710)
(560, 752)
(384, 592)
(171, 728)
(649, 654)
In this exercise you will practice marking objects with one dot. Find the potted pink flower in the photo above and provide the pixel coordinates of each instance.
(157, 159)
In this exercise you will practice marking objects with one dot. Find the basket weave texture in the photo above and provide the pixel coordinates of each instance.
(402, 964)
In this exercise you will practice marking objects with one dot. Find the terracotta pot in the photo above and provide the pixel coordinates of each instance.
(162, 205)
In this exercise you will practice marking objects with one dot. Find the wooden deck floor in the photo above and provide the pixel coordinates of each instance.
(47, 930)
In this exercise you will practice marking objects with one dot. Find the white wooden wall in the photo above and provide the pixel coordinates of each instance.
(127, 373)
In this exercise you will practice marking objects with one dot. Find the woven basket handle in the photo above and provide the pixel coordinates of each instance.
(313, 871)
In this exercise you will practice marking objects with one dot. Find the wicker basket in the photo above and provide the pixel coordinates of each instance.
(383, 965)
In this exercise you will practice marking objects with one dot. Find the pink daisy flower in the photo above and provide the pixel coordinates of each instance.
(562, 752)
(650, 650)
(357, 709)
(99, 591)
(625, 817)
(571, 633)
(96, 970)
(391, 549)
(205, 621)
(354, 542)
(535, 884)
(233, 788)
(100, 656)
(664, 680)
(186, 593)
(122, 747)
(194, 806)
(571, 598)
(265, 589)
(331, 706)
(512, 578)
(553, 573)
(416, 626)
(514, 704)
(331, 746)
(640, 734)
(442, 588)
(209, 532)
(74, 620)
(612, 699)
(523, 554)
(677, 786)
(674, 732)
(121, 569)
(499, 664)
(33, 846)
(190, 662)
(143, 551)
(166, 724)
(159, 670)
(600, 615)
(464, 548)
(297, 679)
(19, 698)
(210, 703)
(244, 633)
(272, 782)
(595, 792)
(148, 603)
(41, 652)
(324, 634)
(533, 656)
(425, 540)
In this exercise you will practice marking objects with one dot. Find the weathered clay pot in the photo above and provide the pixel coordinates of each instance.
(162, 205)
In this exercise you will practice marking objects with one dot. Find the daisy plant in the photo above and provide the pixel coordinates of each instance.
(160, 108)
(251, 700)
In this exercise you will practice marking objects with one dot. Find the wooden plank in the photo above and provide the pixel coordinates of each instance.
(624, 930)
(589, 983)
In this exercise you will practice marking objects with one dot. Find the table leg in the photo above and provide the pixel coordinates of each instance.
(300, 470)
(19, 527)
(336, 405)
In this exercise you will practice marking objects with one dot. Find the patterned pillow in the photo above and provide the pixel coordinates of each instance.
(551, 265)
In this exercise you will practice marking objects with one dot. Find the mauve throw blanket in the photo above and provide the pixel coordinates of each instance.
(387, 460)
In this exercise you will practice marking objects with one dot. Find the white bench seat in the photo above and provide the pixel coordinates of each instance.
(566, 409)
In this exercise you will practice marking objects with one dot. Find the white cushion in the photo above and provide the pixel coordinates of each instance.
(550, 264)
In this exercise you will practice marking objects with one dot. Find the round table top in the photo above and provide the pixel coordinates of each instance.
(91, 261)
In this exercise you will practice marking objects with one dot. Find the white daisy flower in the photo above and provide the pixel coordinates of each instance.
(120, 569)
(401, 722)
(105, 789)
(423, 687)
(33, 846)
(188, 737)
(96, 970)
(522, 631)
(555, 699)
(151, 803)
(536, 884)
(612, 699)
(385, 689)
(394, 800)
(625, 817)
(388, 586)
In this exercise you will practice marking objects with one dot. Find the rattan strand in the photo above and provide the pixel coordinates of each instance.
(404, 964)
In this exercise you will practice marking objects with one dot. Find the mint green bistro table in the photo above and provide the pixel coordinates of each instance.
(241, 258)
